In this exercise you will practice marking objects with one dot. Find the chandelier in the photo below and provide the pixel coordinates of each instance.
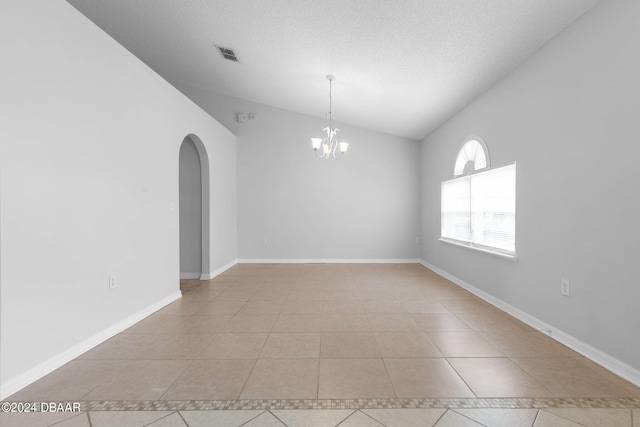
(328, 146)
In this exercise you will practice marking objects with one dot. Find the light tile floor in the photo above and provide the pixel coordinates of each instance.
(331, 344)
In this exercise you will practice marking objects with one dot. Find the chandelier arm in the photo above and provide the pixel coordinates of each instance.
(335, 148)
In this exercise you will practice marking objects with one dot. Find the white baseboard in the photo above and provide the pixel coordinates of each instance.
(330, 261)
(608, 362)
(218, 271)
(210, 275)
(16, 384)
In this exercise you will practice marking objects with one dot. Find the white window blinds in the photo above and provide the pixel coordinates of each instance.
(480, 209)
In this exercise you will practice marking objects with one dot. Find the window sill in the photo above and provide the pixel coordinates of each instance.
(483, 249)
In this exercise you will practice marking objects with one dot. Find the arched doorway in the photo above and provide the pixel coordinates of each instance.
(194, 209)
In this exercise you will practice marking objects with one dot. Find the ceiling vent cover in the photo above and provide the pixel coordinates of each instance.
(227, 53)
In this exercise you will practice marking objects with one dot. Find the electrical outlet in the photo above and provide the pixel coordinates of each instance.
(565, 288)
(264, 240)
(112, 282)
(417, 240)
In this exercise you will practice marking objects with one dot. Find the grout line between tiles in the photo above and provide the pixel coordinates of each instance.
(461, 378)
(178, 377)
(255, 362)
(467, 417)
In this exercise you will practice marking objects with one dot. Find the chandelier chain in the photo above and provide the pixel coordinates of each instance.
(330, 102)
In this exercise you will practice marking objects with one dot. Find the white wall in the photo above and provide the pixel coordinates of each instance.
(89, 145)
(569, 118)
(190, 211)
(364, 206)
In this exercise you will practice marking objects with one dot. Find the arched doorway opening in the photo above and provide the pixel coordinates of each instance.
(194, 209)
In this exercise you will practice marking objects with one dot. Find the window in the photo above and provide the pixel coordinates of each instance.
(479, 209)
(473, 153)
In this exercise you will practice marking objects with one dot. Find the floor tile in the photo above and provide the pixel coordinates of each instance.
(139, 380)
(220, 307)
(341, 295)
(277, 286)
(70, 382)
(497, 377)
(489, 321)
(262, 307)
(283, 379)
(234, 346)
(312, 417)
(392, 322)
(384, 307)
(305, 295)
(182, 307)
(635, 414)
(342, 307)
(156, 323)
(150, 346)
(359, 419)
(291, 345)
(466, 305)
(453, 419)
(81, 420)
(172, 420)
(425, 306)
(345, 322)
(349, 345)
(200, 295)
(292, 322)
(211, 380)
(595, 417)
(353, 378)
(266, 419)
(250, 323)
(375, 295)
(214, 286)
(546, 419)
(425, 377)
(266, 295)
(245, 286)
(218, 418)
(463, 344)
(501, 417)
(406, 344)
(565, 377)
(38, 419)
(198, 324)
(302, 307)
(525, 344)
(440, 322)
(234, 295)
(405, 417)
(125, 418)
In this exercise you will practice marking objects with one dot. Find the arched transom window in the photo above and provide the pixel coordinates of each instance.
(473, 156)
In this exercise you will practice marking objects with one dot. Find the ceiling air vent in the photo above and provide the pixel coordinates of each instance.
(227, 53)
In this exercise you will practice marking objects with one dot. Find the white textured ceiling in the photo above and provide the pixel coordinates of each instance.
(402, 67)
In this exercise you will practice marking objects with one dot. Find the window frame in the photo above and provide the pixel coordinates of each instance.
(500, 252)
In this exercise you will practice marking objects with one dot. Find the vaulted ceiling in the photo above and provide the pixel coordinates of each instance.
(402, 67)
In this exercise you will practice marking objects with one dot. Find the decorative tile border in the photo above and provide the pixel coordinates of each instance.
(278, 404)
